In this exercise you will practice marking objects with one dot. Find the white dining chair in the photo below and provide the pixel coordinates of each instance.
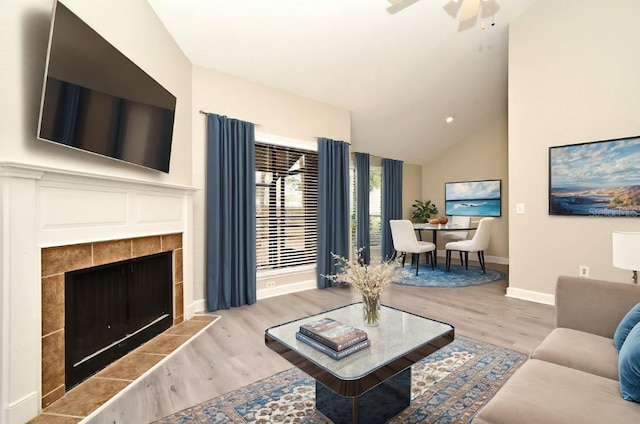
(405, 241)
(460, 221)
(478, 243)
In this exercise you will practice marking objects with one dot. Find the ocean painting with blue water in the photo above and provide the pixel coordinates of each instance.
(473, 198)
(595, 179)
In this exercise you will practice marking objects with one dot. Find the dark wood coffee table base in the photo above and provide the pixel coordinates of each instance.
(376, 405)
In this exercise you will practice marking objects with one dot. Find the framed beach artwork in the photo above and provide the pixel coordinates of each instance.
(601, 178)
(473, 198)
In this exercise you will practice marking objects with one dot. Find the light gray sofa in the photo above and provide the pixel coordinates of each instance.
(572, 377)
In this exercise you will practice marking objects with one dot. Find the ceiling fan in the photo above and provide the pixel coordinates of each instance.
(469, 9)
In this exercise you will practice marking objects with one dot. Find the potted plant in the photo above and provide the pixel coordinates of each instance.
(424, 210)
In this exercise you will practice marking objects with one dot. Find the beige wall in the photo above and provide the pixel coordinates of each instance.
(481, 157)
(411, 187)
(274, 112)
(133, 28)
(573, 78)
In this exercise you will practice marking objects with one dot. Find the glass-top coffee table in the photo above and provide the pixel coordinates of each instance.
(371, 385)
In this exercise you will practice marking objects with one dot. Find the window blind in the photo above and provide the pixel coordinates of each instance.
(286, 206)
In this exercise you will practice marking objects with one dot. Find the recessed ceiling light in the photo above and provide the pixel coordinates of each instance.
(449, 119)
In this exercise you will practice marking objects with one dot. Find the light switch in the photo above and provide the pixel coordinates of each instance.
(520, 208)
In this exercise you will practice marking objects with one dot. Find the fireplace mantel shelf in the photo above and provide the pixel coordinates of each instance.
(22, 170)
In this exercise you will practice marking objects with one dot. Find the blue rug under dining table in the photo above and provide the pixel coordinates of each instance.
(457, 276)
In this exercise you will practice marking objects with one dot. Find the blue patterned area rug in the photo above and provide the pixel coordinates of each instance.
(449, 386)
(457, 276)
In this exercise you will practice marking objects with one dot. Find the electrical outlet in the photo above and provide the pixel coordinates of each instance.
(271, 284)
(583, 271)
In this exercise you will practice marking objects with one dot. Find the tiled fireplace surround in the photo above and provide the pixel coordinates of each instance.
(54, 221)
(58, 260)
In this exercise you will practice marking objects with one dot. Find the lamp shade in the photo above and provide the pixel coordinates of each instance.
(626, 250)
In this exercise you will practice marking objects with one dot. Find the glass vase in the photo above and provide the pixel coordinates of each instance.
(371, 310)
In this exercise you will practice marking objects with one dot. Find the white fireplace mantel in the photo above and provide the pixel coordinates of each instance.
(45, 207)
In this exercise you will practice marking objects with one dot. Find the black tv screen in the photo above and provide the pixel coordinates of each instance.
(97, 100)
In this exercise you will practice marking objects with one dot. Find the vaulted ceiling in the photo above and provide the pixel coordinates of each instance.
(400, 74)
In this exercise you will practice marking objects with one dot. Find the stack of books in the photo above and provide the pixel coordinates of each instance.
(333, 337)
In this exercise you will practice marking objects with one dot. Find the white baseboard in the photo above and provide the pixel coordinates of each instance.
(197, 306)
(531, 296)
(21, 410)
(496, 260)
(286, 288)
(200, 305)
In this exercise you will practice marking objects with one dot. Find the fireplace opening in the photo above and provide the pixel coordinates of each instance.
(112, 309)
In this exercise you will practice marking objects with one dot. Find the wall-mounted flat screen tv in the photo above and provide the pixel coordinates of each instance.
(97, 100)
(473, 198)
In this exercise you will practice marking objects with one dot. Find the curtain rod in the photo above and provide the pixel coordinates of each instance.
(207, 113)
(347, 142)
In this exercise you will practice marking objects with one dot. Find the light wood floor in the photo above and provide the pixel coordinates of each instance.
(231, 353)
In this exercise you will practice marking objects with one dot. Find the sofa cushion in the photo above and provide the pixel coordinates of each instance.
(624, 328)
(543, 392)
(629, 363)
(579, 350)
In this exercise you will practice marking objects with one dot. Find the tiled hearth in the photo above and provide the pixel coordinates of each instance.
(83, 399)
(58, 260)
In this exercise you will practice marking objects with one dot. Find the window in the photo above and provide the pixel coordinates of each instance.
(286, 206)
(375, 200)
(375, 207)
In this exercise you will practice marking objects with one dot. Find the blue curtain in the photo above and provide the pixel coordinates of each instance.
(362, 205)
(230, 213)
(333, 206)
(391, 201)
